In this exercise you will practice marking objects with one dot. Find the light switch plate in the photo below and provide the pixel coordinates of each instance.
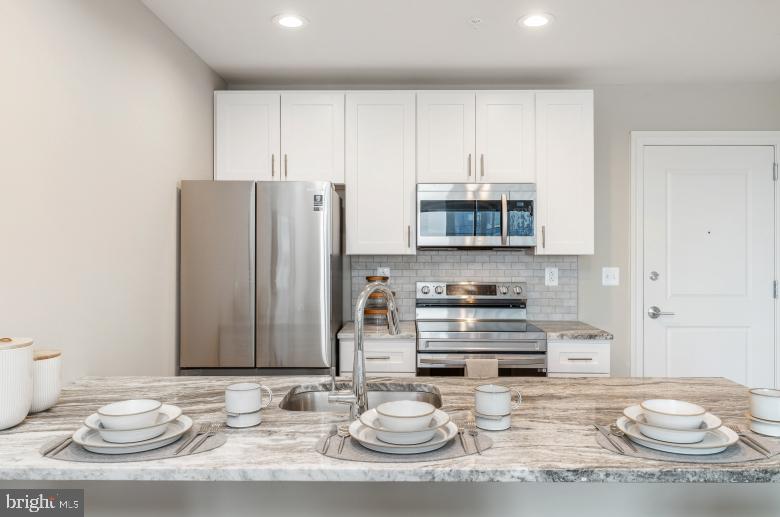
(551, 276)
(383, 271)
(610, 276)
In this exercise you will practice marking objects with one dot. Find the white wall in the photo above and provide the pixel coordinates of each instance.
(103, 110)
(618, 111)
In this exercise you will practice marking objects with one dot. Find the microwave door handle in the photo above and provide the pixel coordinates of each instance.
(504, 221)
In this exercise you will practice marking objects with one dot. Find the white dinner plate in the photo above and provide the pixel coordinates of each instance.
(636, 414)
(168, 413)
(714, 441)
(366, 437)
(371, 420)
(91, 440)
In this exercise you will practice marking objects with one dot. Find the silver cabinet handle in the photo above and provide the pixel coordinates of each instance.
(409, 236)
(481, 164)
(468, 165)
(285, 165)
(579, 358)
(544, 240)
(273, 165)
(504, 221)
(377, 358)
(654, 312)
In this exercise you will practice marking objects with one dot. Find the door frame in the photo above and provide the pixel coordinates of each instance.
(642, 139)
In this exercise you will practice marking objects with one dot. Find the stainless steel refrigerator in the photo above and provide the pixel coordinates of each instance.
(260, 275)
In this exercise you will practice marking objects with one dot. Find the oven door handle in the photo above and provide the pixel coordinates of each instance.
(504, 221)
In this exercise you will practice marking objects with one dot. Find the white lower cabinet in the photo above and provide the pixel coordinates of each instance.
(385, 357)
(578, 358)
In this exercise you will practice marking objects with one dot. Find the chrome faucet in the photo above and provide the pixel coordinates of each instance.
(358, 398)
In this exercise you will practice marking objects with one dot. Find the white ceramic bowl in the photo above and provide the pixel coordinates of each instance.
(765, 427)
(130, 414)
(239, 420)
(167, 414)
(16, 380)
(673, 414)
(765, 404)
(493, 423)
(47, 383)
(371, 420)
(405, 416)
(637, 415)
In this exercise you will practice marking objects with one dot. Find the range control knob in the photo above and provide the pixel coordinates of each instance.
(504, 289)
(518, 289)
(439, 289)
(425, 289)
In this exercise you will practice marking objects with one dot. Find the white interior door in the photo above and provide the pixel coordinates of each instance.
(709, 262)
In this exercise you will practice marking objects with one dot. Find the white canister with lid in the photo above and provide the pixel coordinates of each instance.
(16, 380)
(47, 379)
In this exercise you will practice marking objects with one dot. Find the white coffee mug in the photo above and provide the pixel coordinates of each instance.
(246, 397)
(495, 400)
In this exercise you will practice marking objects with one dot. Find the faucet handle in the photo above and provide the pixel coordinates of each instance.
(332, 378)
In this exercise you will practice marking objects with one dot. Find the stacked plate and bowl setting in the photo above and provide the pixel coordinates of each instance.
(675, 426)
(403, 427)
(764, 415)
(132, 426)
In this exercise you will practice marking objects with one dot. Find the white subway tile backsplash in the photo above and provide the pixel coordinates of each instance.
(544, 303)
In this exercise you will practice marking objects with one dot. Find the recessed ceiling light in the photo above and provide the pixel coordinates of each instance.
(535, 20)
(290, 21)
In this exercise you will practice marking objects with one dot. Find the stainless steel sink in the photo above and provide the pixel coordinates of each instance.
(314, 397)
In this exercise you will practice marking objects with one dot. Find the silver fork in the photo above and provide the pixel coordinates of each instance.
(461, 432)
(343, 433)
(202, 428)
(213, 429)
(471, 427)
(750, 441)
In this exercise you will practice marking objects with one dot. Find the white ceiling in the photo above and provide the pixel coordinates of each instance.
(417, 42)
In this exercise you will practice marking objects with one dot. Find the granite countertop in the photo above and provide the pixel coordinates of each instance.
(554, 330)
(571, 330)
(408, 331)
(551, 439)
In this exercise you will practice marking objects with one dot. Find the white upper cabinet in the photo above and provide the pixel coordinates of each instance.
(505, 137)
(564, 172)
(380, 178)
(446, 136)
(246, 135)
(313, 136)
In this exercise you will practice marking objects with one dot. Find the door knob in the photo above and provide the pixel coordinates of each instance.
(654, 312)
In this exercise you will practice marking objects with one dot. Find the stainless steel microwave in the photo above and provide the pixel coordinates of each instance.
(475, 215)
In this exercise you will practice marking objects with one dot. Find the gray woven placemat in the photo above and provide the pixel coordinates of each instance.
(75, 452)
(353, 451)
(737, 453)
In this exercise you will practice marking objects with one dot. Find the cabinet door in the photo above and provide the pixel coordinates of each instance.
(445, 142)
(380, 180)
(564, 169)
(246, 135)
(505, 137)
(313, 136)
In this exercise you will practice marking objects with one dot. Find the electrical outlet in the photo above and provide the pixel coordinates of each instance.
(610, 276)
(383, 271)
(551, 276)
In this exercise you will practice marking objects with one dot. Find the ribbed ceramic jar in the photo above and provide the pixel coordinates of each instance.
(47, 383)
(16, 380)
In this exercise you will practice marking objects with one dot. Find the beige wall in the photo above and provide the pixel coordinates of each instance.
(102, 111)
(619, 110)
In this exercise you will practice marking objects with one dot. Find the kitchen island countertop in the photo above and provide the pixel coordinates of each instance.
(551, 438)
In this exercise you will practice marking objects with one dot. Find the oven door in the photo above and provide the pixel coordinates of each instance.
(461, 219)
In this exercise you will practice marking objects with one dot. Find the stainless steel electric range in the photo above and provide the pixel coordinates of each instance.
(461, 320)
